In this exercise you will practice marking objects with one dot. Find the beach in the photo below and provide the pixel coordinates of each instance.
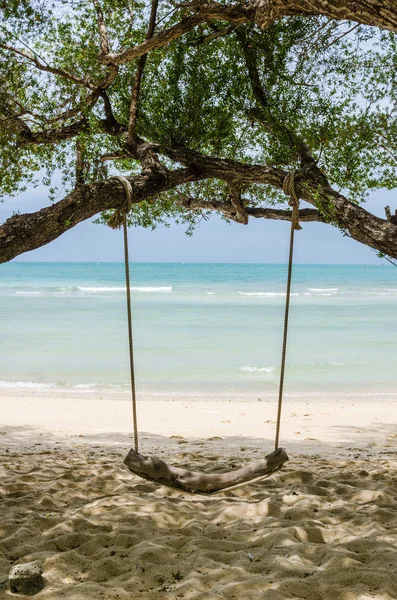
(322, 527)
(207, 345)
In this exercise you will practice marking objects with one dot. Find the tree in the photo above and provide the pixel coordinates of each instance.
(203, 107)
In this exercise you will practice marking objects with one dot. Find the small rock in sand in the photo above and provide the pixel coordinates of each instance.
(26, 578)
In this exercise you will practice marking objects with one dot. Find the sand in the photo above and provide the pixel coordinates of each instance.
(324, 527)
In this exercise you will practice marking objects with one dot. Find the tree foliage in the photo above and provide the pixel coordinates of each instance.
(307, 93)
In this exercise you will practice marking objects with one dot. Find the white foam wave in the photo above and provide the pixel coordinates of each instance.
(102, 289)
(167, 288)
(210, 293)
(268, 294)
(84, 386)
(25, 385)
(28, 293)
(323, 289)
(123, 289)
(257, 369)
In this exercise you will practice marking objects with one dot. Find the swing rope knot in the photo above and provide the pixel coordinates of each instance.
(117, 218)
(289, 189)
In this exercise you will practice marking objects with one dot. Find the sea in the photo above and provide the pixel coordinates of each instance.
(202, 329)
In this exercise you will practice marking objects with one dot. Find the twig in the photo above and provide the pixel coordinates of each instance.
(213, 36)
(79, 164)
(49, 69)
(334, 41)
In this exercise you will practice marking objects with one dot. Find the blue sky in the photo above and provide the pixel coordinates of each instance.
(215, 241)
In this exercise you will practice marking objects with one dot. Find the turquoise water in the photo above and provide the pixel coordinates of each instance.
(198, 327)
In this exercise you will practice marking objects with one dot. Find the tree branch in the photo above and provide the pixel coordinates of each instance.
(228, 210)
(79, 163)
(103, 33)
(311, 185)
(47, 68)
(132, 138)
(225, 169)
(264, 112)
(22, 233)
(378, 13)
(51, 136)
(205, 39)
(207, 12)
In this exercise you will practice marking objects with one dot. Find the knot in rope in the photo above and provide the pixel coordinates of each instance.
(289, 189)
(117, 219)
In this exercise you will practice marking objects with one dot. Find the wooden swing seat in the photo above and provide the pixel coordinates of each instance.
(156, 470)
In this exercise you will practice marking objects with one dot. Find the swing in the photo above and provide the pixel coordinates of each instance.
(157, 470)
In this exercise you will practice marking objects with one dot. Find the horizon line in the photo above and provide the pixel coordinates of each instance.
(112, 262)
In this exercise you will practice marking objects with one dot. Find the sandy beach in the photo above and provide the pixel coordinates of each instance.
(323, 527)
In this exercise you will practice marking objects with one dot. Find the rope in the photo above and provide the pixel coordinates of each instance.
(118, 219)
(290, 190)
(130, 341)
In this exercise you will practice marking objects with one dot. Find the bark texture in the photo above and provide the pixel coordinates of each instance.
(378, 13)
(25, 232)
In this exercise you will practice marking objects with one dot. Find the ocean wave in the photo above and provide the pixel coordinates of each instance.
(323, 289)
(61, 385)
(123, 289)
(322, 364)
(25, 385)
(84, 386)
(257, 369)
(269, 294)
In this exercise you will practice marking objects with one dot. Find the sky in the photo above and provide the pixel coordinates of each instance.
(260, 241)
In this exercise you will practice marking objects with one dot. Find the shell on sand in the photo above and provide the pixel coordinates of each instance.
(317, 529)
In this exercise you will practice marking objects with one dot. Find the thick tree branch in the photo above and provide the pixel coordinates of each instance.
(225, 169)
(228, 210)
(307, 215)
(312, 186)
(205, 12)
(52, 136)
(22, 233)
(378, 13)
(103, 33)
(26, 232)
